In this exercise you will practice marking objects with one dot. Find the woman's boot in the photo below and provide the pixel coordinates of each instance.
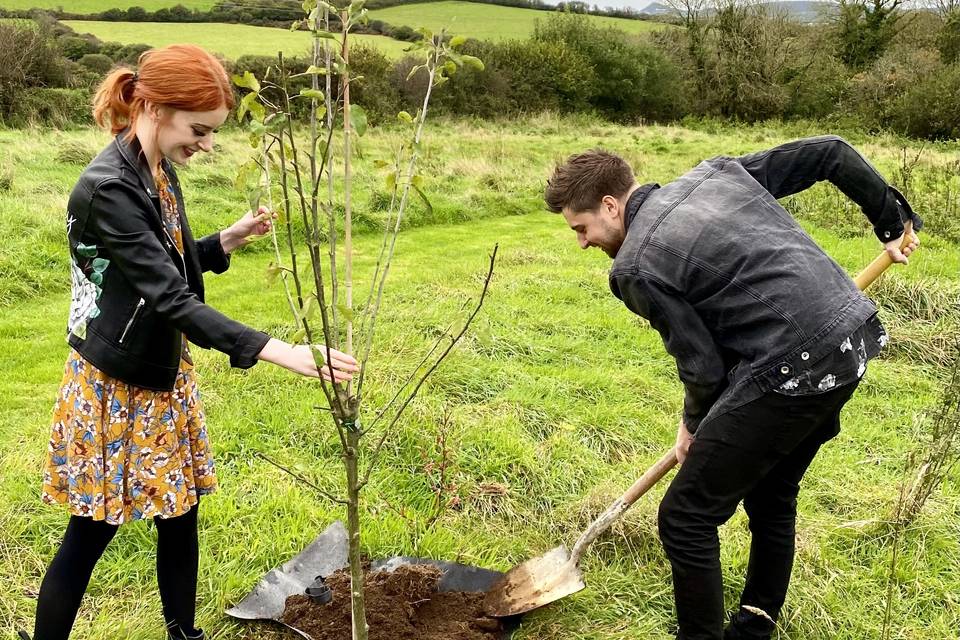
(175, 632)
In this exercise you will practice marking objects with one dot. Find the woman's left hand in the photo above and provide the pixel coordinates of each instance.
(252, 226)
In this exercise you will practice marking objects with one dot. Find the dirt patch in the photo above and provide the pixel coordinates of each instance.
(403, 604)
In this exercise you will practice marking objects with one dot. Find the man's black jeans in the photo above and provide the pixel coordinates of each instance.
(756, 453)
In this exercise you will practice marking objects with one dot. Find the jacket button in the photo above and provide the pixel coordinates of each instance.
(785, 369)
(804, 356)
(886, 234)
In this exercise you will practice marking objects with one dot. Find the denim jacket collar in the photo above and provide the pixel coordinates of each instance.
(635, 201)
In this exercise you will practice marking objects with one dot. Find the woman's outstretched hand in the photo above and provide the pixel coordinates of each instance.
(299, 359)
(252, 226)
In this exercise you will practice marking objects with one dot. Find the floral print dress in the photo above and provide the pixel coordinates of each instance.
(119, 452)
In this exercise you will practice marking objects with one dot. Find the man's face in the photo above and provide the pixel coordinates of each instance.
(601, 227)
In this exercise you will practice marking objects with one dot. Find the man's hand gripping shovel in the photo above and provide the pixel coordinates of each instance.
(556, 574)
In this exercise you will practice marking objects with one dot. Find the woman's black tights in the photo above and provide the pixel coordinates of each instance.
(83, 544)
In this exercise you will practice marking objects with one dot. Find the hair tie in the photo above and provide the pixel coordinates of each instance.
(136, 77)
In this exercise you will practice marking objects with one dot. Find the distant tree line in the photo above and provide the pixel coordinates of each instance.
(872, 64)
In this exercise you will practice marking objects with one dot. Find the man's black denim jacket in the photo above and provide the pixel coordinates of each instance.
(740, 294)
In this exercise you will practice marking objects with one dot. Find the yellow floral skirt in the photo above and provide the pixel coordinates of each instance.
(120, 452)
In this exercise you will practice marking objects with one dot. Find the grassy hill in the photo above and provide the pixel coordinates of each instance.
(96, 6)
(481, 21)
(487, 22)
(230, 40)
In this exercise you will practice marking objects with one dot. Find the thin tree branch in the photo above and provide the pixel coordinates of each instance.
(331, 217)
(413, 394)
(334, 397)
(445, 334)
(273, 229)
(299, 477)
(313, 248)
(347, 179)
(402, 208)
(364, 330)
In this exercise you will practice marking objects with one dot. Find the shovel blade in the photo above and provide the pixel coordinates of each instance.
(534, 583)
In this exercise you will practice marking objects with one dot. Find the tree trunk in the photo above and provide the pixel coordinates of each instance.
(358, 607)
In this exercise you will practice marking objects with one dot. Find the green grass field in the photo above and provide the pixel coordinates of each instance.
(556, 401)
(230, 40)
(96, 6)
(488, 22)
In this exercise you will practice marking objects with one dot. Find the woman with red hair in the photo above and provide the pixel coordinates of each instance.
(129, 440)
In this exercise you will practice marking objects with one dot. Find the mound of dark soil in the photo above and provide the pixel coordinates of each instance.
(403, 604)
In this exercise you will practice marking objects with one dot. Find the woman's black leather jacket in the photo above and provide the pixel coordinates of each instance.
(134, 295)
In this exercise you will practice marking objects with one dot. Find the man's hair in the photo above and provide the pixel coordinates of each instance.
(581, 181)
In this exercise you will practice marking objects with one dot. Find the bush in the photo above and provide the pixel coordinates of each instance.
(53, 26)
(484, 93)
(751, 51)
(930, 107)
(59, 108)
(112, 50)
(375, 91)
(113, 15)
(96, 62)
(38, 63)
(864, 31)
(948, 40)
(130, 53)
(911, 92)
(815, 80)
(876, 92)
(630, 79)
(404, 33)
(137, 14)
(75, 47)
(543, 76)
(918, 30)
(82, 77)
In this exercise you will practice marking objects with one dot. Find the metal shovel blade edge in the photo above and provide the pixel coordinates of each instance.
(534, 583)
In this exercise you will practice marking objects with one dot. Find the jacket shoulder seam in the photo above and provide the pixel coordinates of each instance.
(674, 205)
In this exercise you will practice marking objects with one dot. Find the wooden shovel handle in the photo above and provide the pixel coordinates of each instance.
(613, 512)
(882, 261)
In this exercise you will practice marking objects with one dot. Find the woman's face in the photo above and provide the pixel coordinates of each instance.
(181, 134)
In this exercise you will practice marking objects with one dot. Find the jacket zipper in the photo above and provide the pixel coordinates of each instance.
(136, 312)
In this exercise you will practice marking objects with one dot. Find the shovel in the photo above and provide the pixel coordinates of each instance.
(556, 574)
